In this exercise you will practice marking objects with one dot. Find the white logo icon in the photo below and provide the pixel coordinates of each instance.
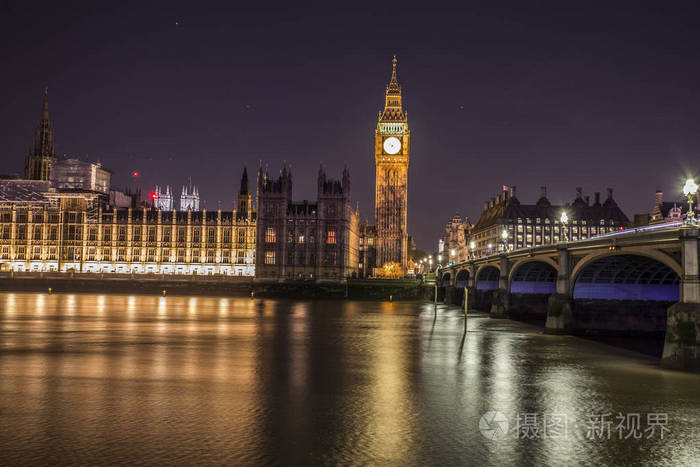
(493, 425)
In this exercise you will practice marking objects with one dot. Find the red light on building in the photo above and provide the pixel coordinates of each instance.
(135, 174)
(153, 195)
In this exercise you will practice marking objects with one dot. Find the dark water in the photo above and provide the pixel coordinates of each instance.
(141, 379)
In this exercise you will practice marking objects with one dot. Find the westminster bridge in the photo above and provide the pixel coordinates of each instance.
(640, 282)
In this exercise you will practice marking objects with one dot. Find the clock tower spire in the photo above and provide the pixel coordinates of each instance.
(391, 157)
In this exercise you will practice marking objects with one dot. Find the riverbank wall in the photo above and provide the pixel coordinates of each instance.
(353, 289)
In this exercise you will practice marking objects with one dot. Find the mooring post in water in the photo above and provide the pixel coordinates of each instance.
(466, 300)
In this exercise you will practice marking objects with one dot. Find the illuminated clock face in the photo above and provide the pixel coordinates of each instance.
(392, 145)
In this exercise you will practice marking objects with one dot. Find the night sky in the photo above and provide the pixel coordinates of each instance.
(593, 96)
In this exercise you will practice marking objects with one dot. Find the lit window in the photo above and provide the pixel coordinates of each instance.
(270, 236)
(331, 237)
(269, 257)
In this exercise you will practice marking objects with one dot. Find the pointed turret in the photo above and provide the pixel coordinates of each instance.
(346, 180)
(244, 182)
(244, 197)
(38, 165)
(394, 87)
(393, 109)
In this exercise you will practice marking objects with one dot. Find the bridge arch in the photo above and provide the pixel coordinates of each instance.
(445, 279)
(462, 278)
(487, 277)
(534, 276)
(628, 275)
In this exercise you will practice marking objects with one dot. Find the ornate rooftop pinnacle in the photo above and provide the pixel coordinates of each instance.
(394, 87)
(393, 108)
(45, 112)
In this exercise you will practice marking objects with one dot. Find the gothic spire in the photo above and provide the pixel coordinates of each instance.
(394, 87)
(45, 113)
(244, 182)
(393, 108)
(42, 154)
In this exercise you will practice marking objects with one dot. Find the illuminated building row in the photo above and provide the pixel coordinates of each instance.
(71, 233)
(531, 225)
(129, 241)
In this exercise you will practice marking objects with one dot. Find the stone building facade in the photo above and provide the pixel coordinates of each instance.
(67, 231)
(530, 225)
(303, 240)
(455, 246)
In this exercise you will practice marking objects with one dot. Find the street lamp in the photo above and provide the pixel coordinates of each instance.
(504, 238)
(564, 220)
(439, 258)
(452, 252)
(689, 189)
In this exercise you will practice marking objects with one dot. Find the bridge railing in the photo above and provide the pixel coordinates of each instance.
(593, 238)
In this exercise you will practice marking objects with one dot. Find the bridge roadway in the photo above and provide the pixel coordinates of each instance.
(642, 281)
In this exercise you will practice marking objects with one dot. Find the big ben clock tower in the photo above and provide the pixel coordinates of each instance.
(391, 146)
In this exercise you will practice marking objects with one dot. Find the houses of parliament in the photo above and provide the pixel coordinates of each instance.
(64, 216)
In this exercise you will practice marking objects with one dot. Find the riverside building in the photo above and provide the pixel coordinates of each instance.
(70, 231)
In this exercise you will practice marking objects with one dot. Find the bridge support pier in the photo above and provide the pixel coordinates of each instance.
(682, 344)
(449, 295)
(560, 319)
(500, 297)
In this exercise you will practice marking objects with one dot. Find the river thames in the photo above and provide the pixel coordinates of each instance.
(96, 379)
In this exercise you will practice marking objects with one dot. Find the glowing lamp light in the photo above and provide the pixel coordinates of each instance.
(452, 252)
(472, 245)
(439, 257)
(564, 219)
(504, 235)
(153, 195)
(690, 187)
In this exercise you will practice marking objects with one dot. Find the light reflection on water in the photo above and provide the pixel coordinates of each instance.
(153, 379)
